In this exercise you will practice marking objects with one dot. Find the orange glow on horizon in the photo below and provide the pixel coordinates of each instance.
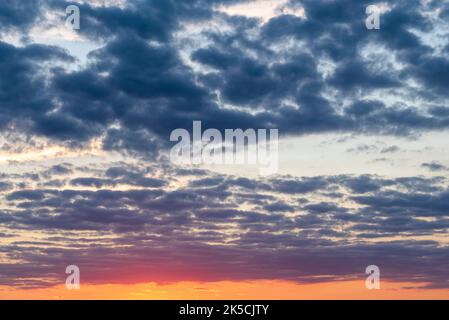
(229, 290)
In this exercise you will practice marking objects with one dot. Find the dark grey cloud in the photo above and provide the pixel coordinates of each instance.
(23, 95)
(407, 204)
(19, 14)
(149, 90)
(434, 166)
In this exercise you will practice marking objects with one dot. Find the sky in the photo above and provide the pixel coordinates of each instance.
(86, 177)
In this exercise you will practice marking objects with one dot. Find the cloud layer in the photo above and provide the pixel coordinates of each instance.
(162, 64)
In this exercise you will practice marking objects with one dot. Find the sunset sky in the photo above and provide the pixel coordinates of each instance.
(86, 178)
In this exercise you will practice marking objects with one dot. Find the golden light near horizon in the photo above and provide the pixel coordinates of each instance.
(225, 150)
(228, 290)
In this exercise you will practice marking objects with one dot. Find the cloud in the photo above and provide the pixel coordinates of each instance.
(18, 15)
(140, 81)
(223, 227)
